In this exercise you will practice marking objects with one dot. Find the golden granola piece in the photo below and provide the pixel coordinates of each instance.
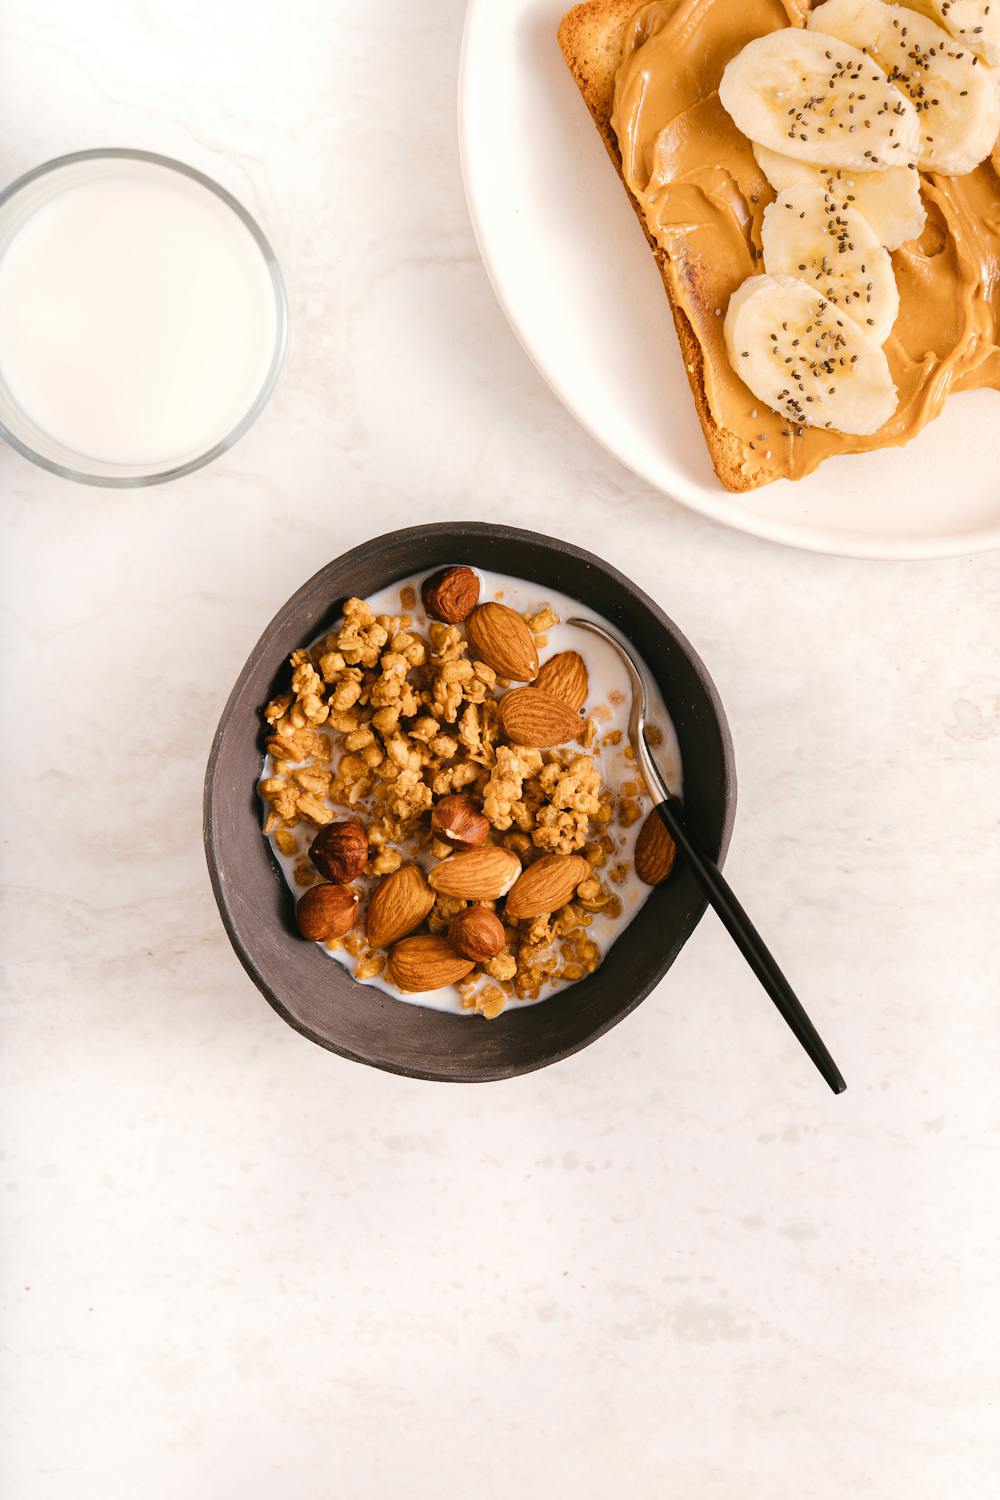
(503, 967)
(409, 797)
(386, 861)
(481, 684)
(444, 746)
(503, 790)
(347, 690)
(353, 780)
(595, 854)
(313, 781)
(447, 642)
(298, 743)
(386, 720)
(277, 708)
(629, 811)
(491, 1002)
(309, 807)
(544, 620)
(331, 664)
(307, 685)
(453, 779)
(361, 637)
(371, 966)
(593, 895)
(447, 691)
(282, 796)
(562, 826)
(424, 728)
(405, 643)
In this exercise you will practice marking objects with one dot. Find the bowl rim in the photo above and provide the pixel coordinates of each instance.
(253, 411)
(264, 647)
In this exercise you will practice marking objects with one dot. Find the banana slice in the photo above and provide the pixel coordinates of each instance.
(974, 22)
(819, 100)
(807, 233)
(801, 356)
(889, 200)
(956, 96)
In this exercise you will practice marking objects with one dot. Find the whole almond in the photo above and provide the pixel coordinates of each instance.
(565, 677)
(340, 850)
(655, 850)
(503, 641)
(546, 885)
(326, 912)
(426, 963)
(458, 821)
(483, 874)
(528, 716)
(450, 594)
(477, 933)
(398, 903)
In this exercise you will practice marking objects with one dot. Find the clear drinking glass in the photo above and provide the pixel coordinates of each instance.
(18, 203)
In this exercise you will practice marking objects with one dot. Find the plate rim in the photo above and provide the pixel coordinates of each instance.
(784, 533)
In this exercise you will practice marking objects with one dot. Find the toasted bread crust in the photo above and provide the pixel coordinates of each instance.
(591, 38)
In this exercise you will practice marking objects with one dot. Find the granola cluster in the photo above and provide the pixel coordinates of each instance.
(383, 720)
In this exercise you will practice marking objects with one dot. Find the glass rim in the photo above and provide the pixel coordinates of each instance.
(176, 471)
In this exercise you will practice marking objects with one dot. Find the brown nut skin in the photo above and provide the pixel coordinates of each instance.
(450, 594)
(458, 821)
(483, 874)
(398, 904)
(530, 716)
(546, 885)
(340, 851)
(655, 850)
(326, 911)
(425, 962)
(477, 933)
(565, 677)
(499, 637)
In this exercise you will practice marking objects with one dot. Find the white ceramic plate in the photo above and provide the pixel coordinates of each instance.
(574, 275)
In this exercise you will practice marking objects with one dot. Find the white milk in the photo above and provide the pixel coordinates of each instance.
(137, 318)
(609, 691)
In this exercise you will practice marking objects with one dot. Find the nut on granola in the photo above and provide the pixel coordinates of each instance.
(404, 727)
(340, 850)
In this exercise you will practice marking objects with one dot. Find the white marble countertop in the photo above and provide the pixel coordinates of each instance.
(234, 1265)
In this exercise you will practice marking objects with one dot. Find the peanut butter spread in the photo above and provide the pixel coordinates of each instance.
(703, 197)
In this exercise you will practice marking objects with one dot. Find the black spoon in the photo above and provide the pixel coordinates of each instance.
(716, 888)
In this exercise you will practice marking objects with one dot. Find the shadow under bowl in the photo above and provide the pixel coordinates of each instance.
(318, 996)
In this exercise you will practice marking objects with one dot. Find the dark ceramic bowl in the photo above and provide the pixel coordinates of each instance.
(319, 997)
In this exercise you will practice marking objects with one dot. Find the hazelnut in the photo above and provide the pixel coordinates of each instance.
(457, 820)
(326, 911)
(340, 850)
(451, 594)
(477, 933)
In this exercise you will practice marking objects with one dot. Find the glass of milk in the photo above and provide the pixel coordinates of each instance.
(142, 318)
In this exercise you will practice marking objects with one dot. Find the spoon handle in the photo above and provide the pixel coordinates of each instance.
(746, 937)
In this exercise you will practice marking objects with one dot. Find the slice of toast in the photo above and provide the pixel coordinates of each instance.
(591, 37)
